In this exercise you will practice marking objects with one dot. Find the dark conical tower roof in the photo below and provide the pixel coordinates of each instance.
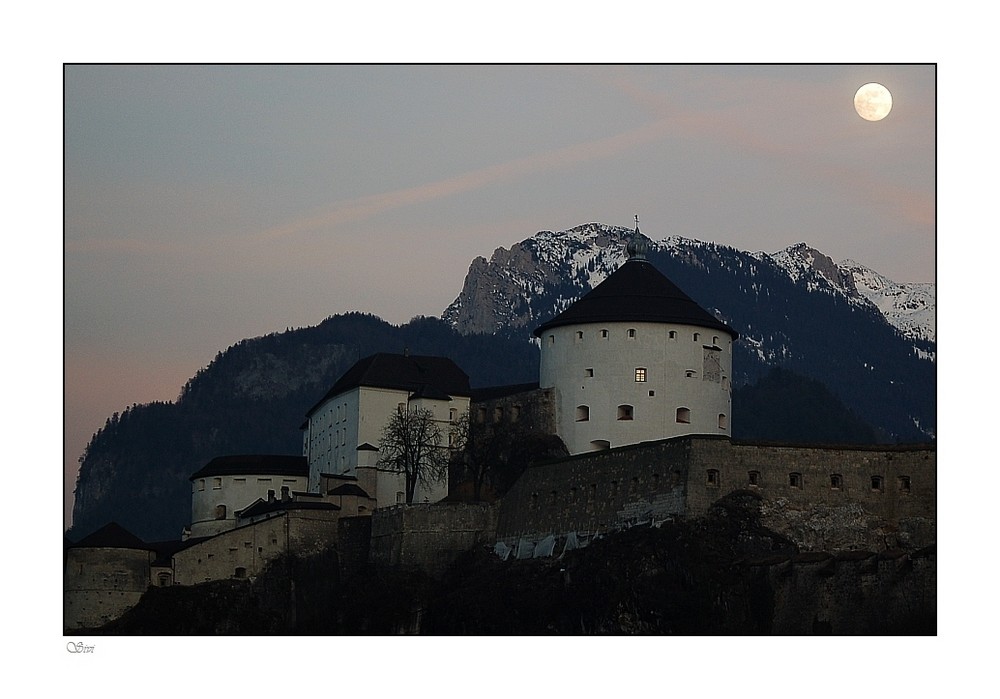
(638, 292)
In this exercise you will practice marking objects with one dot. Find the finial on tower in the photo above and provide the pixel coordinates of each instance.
(637, 247)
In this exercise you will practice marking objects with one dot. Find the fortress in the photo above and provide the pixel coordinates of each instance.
(635, 379)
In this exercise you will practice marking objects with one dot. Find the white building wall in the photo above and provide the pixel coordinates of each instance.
(358, 416)
(598, 370)
(234, 493)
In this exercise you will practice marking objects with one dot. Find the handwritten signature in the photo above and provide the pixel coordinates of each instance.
(79, 648)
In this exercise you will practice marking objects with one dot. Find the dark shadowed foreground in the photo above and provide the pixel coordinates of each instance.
(720, 574)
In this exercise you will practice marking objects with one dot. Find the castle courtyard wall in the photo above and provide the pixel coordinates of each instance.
(101, 584)
(429, 536)
(245, 551)
(876, 497)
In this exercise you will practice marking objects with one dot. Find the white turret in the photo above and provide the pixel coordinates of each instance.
(636, 360)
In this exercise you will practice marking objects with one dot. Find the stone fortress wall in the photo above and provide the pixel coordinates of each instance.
(849, 489)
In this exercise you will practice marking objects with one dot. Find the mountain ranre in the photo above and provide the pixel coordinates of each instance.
(635, 380)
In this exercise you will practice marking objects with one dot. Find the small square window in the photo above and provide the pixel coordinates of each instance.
(795, 480)
(836, 481)
(631, 332)
(753, 479)
(604, 334)
(904, 484)
(877, 483)
(589, 372)
(579, 334)
(712, 478)
(652, 393)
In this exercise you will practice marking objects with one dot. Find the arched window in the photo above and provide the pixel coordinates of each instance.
(631, 333)
(582, 413)
(672, 334)
(904, 484)
(684, 416)
(795, 480)
(600, 444)
(723, 421)
(604, 334)
(625, 412)
(836, 481)
(877, 483)
(220, 511)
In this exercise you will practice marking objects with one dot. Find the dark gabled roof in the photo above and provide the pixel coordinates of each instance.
(366, 447)
(254, 464)
(428, 377)
(349, 489)
(112, 536)
(636, 292)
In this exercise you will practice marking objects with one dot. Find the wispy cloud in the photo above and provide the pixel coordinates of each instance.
(364, 207)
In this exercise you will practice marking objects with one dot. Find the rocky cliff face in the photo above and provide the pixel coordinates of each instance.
(870, 340)
(524, 285)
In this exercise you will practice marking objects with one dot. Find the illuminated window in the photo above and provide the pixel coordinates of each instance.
(640, 374)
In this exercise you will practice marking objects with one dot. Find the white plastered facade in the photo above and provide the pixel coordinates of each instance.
(216, 499)
(621, 383)
(357, 417)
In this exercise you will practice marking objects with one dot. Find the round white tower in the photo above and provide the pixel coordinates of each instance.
(636, 360)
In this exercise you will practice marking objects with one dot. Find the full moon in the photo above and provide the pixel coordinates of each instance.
(872, 101)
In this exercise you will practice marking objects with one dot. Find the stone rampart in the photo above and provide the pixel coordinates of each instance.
(835, 498)
(100, 584)
(429, 536)
(243, 552)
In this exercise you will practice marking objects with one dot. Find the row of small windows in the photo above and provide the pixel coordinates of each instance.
(795, 480)
(631, 334)
(499, 413)
(627, 412)
(217, 482)
(641, 374)
(712, 479)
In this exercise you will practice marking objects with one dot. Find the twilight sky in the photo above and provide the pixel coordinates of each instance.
(204, 205)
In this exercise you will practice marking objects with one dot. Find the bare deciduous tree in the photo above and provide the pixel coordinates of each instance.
(411, 445)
